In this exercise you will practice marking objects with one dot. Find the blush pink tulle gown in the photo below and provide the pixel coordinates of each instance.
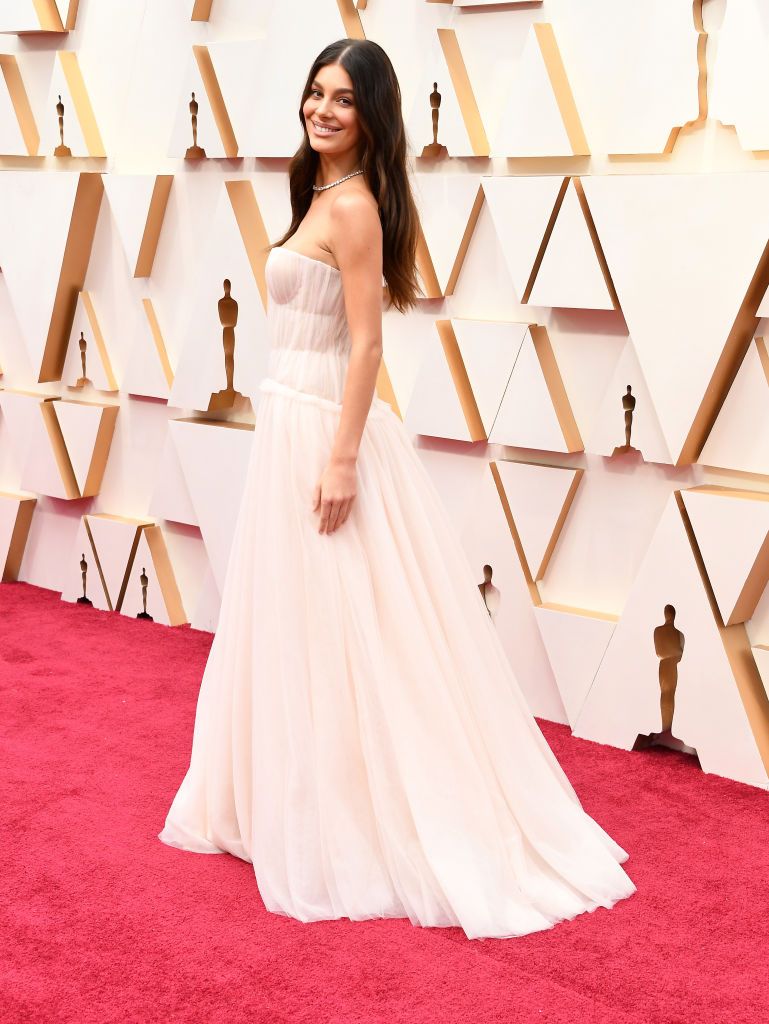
(360, 736)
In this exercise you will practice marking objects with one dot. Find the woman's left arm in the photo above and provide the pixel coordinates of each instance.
(356, 241)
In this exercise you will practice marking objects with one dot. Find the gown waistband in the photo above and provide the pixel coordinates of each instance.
(378, 407)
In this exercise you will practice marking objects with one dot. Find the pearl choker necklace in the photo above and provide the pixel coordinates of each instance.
(320, 188)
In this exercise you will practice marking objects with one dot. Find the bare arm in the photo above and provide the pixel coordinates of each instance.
(356, 240)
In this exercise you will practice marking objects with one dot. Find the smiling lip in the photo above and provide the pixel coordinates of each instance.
(325, 129)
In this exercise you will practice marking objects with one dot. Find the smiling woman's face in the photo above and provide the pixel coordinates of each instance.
(330, 117)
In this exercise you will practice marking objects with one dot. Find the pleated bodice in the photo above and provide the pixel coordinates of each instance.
(308, 332)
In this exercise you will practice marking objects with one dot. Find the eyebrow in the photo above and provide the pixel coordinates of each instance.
(316, 82)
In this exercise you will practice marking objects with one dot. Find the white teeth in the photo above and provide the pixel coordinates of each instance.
(324, 129)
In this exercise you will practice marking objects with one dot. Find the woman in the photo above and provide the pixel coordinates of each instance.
(360, 736)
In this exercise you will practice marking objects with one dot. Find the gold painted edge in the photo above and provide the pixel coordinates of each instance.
(216, 100)
(562, 91)
(99, 339)
(48, 16)
(385, 390)
(252, 230)
(348, 12)
(20, 101)
(559, 523)
(165, 576)
(729, 362)
(128, 567)
(157, 337)
(545, 241)
(74, 266)
(19, 534)
(59, 448)
(536, 599)
(593, 232)
(461, 380)
(464, 244)
(201, 10)
(101, 448)
(153, 225)
(463, 90)
(82, 101)
(555, 387)
(99, 569)
(738, 652)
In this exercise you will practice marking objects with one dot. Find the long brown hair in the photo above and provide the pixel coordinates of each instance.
(378, 103)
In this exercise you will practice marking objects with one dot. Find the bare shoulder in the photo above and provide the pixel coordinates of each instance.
(354, 217)
(354, 200)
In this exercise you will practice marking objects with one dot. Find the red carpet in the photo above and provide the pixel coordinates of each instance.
(102, 922)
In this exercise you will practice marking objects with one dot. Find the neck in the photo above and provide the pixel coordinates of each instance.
(331, 168)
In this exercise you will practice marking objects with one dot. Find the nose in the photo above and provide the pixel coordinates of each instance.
(323, 106)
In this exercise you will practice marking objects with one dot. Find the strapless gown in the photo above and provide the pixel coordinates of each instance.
(360, 737)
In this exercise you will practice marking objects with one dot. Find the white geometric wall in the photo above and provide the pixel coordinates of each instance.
(601, 220)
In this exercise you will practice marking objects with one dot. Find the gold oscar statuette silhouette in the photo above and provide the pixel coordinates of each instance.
(628, 405)
(669, 647)
(228, 397)
(194, 152)
(490, 594)
(84, 573)
(82, 381)
(435, 150)
(61, 150)
(144, 580)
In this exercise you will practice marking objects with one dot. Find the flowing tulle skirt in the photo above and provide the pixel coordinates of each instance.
(360, 736)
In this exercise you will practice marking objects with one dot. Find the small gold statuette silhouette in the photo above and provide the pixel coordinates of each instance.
(435, 150)
(669, 647)
(144, 580)
(490, 594)
(628, 405)
(84, 573)
(82, 381)
(194, 152)
(228, 398)
(61, 150)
